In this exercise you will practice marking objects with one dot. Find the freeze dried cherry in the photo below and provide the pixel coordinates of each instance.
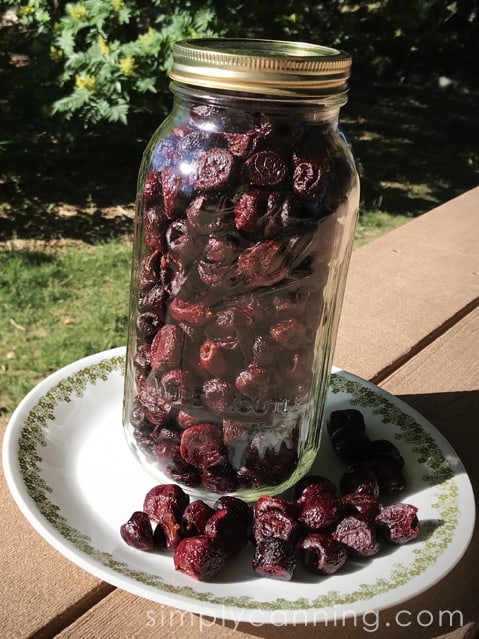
(212, 358)
(175, 192)
(398, 523)
(241, 144)
(152, 191)
(359, 479)
(250, 210)
(364, 503)
(235, 432)
(202, 446)
(166, 433)
(349, 444)
(148, 324)
(150, 270)
(271, 456)
(179, 471)
(154, 227)
(254, 382)
(267, 503)
(221, 249)
(180, 244)
(205, 212)
(193, 314)
(165, 153)
(238, 506)
(154, 299)
(194, 518)
(177, 385)
(159, 538)
(167, 348)
(357, 532)
(311, 486)
(263, 264)
(322, 554)
(274, 523)
(199, 557)
(320, 512)
(170, 525)
(282, 214)
(185, 419)
(152, 400)
(289, 333)
(265, 168)
(214, 169)
(384, 448)
(231, 328)
(172, 464)
(389, 475)
(263, 351)
(228, 531)
(163, 498)
(348, 417)
(218, 395)
(196, 142)
(309, 179)
(275, 559)
(138, 532)
(219, 479)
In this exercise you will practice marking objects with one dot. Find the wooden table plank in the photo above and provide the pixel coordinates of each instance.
(38, 585)
(407, 285)
(442, 383)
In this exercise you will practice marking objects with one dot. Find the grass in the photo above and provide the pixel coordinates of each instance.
(374, 223)
(58, 306)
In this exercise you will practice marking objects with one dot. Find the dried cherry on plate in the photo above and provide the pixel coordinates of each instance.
(199, 557)
(322, 554)
(398, 523)
(275, 559)
(138, 532)
(358, 534)
(194, 518)
(228, 530)
(163, 498)
(274, 523)
(321, 512)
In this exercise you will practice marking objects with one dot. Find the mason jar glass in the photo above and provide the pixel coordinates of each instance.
(246, 210)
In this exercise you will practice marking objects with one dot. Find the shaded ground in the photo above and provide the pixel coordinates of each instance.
(416, 147)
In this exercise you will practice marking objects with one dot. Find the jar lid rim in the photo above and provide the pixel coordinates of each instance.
(261, 65)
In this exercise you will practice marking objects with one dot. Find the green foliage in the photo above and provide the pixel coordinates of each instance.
(103, 54)
(92, 61)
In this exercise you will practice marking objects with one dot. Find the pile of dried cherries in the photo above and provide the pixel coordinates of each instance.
(316, 527)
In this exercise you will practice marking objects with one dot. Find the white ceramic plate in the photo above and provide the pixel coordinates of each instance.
(70, 471)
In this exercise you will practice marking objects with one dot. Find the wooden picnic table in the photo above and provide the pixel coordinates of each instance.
(410, 324)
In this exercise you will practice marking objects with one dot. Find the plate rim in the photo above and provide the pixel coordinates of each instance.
(130, 583)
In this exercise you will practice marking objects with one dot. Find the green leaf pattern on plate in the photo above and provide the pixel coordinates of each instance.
(438, 535)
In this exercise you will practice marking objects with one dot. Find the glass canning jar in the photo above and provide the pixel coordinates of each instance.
(246, 210)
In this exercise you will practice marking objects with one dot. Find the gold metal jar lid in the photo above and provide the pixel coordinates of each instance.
(269, 67)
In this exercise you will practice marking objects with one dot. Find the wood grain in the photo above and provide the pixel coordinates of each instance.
(409, 285)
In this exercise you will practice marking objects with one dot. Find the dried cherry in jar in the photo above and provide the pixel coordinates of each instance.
(246, 210)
